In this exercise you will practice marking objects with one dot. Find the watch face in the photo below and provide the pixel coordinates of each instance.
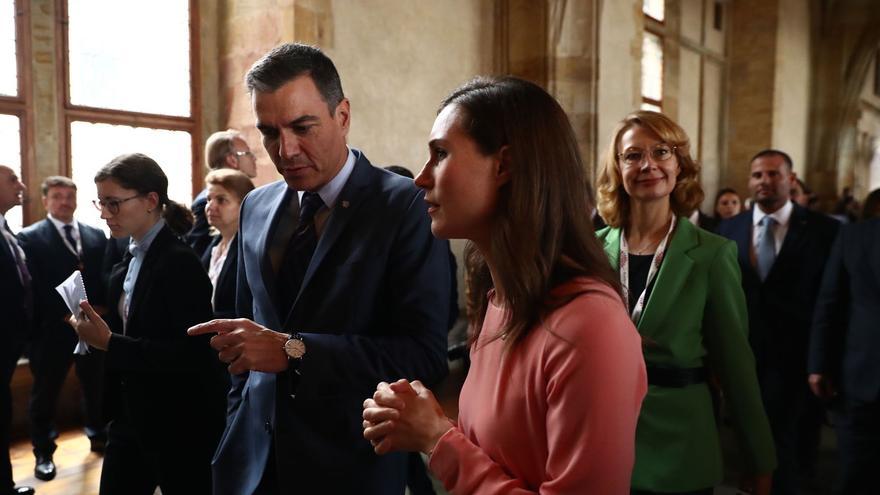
(295, 348)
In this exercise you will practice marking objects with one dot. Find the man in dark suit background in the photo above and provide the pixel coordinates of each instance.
(223, 149)
(16, 308)
(844, 360)
(782, 251)
(342, 285)
(55, 247)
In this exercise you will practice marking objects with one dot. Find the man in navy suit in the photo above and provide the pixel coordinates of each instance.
(782, 251)
(55, 247)
(16, 306)
(844, 360)
(342, 285)
(223, 149)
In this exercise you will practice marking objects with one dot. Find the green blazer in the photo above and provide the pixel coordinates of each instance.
(695, 316)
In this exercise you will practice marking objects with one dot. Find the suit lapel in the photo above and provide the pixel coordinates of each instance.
(347, 204)
(796, 226)
(146, 273)
(267, 232)
(612, 247)
(231, 255)
(674, 271)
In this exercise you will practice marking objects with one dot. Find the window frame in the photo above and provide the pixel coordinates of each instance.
(655, 28)
(20, 105)
(70, 112)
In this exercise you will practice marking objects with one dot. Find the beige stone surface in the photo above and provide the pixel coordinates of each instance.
(791, 92)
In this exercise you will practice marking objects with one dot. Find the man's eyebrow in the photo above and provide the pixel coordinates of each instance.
(303, 120)
(436, 142)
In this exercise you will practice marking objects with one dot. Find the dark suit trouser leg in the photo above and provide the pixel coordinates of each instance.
(126, 468)
(8, 360)
(858, 439)
(49, 361)
(90, 371)
(782, 401)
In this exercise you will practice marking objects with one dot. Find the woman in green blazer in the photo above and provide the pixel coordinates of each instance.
(682, 286)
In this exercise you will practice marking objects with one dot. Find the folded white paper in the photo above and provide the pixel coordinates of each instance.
(73, 291)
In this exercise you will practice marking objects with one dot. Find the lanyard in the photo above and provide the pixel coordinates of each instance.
(636, 312)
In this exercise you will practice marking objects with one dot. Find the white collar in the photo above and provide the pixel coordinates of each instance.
(330, 191)
(782, 215)
(59, 224)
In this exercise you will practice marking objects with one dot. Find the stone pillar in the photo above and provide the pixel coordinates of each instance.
(752, 75)
(573, 70)
(555, 44)
(47, 104)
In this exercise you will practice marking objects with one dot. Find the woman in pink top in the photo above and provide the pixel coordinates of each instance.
(557, 378)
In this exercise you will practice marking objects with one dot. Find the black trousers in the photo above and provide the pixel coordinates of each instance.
(857, 425)
(10, 351)
(50, 360)
(135, 467)
(783, 399)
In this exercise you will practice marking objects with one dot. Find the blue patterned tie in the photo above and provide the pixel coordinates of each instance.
(299, 253)
(766, 247)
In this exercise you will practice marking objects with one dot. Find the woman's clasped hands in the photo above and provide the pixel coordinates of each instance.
(404, 416)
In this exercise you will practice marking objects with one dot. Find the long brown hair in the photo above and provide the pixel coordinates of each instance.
(541, 234)
(613, 204)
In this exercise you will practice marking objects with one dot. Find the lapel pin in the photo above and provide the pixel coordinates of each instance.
(345, 204)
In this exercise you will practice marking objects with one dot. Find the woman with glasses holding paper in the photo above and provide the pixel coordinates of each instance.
(164, 390)
(682, 288)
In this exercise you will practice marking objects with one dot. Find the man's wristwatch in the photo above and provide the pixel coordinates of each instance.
(295, 348)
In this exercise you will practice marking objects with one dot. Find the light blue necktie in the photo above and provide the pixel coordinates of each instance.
(766, 247)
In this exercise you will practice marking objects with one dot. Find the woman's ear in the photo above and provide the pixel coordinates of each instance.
(152, 201)
(502, 167)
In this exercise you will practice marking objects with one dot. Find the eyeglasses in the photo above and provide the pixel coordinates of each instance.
(112, 205)
(245, 153)
(659, 153)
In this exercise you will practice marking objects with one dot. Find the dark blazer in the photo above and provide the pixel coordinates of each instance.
(51, 262)
(14, 325)
(374, 305)
(845, 343)
(224, 292)
(199, 237)
(706, 222)
(167, 384)
(781, 307)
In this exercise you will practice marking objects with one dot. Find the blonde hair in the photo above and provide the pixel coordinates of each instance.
(613, 201)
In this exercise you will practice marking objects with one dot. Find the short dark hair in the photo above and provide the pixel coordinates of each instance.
(400, 170)
(288, 61)
(56, 181)
(774, 152)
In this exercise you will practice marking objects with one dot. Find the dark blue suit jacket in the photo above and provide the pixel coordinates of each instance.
(224, 292)
(51, 262)
(781, 307)
(14, 325)
(845, 343)
(199, 237)
(373, 306)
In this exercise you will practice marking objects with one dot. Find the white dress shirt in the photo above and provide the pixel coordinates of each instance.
(783, 219)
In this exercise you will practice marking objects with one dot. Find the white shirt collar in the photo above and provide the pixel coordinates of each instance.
(331, 190)
(60, 225)
(782, 215)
